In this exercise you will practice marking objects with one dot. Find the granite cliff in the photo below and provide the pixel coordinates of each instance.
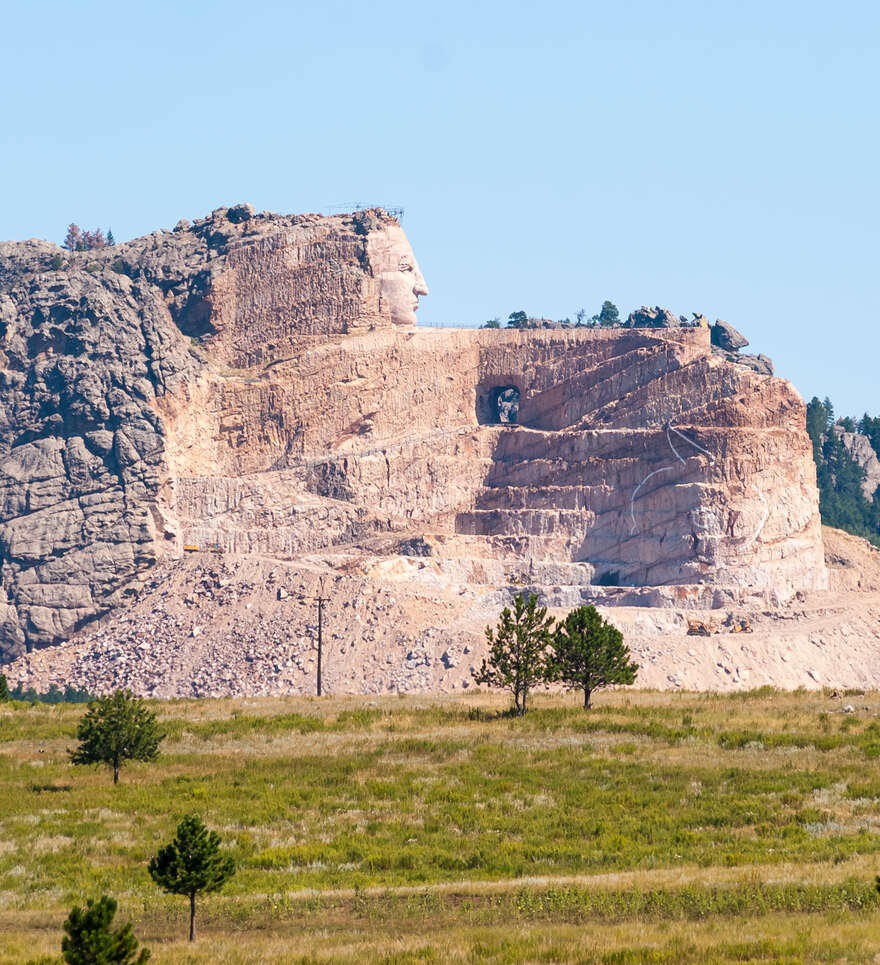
(253, 389)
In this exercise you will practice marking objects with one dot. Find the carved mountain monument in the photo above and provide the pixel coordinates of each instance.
(248, 399)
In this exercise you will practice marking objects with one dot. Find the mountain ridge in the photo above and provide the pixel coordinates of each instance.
(256, 386)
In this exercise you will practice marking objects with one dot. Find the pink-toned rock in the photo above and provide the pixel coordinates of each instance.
(253, 386)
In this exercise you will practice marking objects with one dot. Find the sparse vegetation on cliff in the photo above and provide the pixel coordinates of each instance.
(608, 315)
(78, 240)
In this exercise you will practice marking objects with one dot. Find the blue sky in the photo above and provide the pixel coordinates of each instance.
(705, 156)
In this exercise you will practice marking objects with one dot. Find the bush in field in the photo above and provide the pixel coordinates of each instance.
(116, 729)
(191, 863)
(90, 939)
(589, 653)
(517, 658)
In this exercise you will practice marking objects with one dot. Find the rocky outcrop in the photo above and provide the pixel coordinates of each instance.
(254, 386)
(862, 452)
(762, 364)
(725, 336)
(90, 342)
(727, 342)
(84, 349)
(215, 625)
(658, 317)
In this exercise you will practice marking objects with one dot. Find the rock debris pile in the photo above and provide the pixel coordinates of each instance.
(201, 424)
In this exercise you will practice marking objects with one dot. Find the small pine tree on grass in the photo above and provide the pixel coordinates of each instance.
(517, 650)
(589, 653)
(89, 939)
(116, 729)
(4, 687)
(191, 863)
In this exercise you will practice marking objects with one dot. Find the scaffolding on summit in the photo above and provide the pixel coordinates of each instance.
(394, 210)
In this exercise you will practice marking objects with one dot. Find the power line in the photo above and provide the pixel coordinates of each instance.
(320, 600)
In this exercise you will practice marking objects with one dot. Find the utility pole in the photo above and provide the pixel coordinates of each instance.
(320, 599)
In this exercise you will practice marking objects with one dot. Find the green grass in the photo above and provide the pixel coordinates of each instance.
(380, 825)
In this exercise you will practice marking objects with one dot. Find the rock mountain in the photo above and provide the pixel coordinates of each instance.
(251, 391)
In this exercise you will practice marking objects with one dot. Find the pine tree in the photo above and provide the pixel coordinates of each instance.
(191, 863)
(110, 239)
(608, 314)
(92, 240)
(838, 476)
(871, 428)
(829, 412)
(4, 687)
(116, 729)
(78, 240)
(91, 941)
(589, 653)
(73, 239)
(518, 650)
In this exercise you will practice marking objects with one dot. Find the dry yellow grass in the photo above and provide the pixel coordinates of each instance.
(670, 828)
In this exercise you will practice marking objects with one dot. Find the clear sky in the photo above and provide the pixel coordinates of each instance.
(717, 156)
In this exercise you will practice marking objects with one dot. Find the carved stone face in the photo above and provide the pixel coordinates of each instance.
(396, 268)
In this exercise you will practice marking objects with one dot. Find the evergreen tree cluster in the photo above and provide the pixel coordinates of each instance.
(842, 503)
(77, 239)
(583, 652)
(70, 695)
(608, 316)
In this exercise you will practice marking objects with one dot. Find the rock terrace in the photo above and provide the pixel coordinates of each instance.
(253, 388)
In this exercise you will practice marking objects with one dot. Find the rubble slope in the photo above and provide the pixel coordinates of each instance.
(250, 394)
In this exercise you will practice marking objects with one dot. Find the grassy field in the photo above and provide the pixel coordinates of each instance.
(667, 828)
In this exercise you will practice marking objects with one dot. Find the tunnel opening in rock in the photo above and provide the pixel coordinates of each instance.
(608, 578)
(498, 405)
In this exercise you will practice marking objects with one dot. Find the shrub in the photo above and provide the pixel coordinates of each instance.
(90, 940)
